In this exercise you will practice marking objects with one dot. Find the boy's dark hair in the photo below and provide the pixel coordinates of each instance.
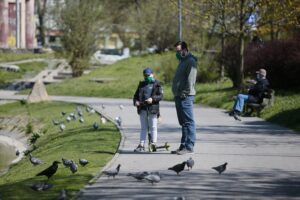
(182, 43)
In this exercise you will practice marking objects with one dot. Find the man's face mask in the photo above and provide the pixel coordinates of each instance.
(180, 54)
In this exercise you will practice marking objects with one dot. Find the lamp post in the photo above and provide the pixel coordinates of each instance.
(18, 35)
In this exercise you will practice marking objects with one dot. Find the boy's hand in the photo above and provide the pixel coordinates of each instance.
(149, 100)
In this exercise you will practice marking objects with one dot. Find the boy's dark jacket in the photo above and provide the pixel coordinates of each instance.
(156, 95)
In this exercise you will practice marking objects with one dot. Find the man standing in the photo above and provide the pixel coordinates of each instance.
(183, 89)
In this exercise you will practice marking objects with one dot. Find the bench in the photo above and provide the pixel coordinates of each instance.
(268, 101)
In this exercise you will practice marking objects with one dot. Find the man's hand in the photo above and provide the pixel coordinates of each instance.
(251, 81)
(137, 103)
(149, 100)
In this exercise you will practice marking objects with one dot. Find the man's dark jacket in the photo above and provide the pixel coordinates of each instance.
(256, 93)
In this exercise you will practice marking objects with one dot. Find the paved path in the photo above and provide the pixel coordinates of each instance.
(263, 158)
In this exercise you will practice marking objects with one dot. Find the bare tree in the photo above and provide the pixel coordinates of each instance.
(80, 24)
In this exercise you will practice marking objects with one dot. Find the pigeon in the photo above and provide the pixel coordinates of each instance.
(66, 162)
(83, 162)
(41, 186)
(121, 107)
(63, 113)
(119, 120)
(55, 122)
(103, 120)
(62, 127)
(178, 168)
(92, 111)
(63, 195)
(50, 170)
(153, 178)
(190, 163)
(68, 119)
(112, 173)
(88, 109)
(220, 168)
(95, 126)
(17, 152)
(73, 167)
(80, 113)
(81, 120)
(34, 161)
(139, 175)
(179, 198)
(72, 115)
(78, 109)
(103, 106)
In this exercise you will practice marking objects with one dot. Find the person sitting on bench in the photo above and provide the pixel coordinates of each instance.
(255, 94)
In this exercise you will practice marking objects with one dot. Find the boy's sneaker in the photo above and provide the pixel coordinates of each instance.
(152, 147)
(139, 148)
(185, 151)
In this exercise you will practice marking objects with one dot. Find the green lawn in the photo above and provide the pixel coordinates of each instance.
(285, 111)
(8, 57)
(26, 69)
(79, 140)
(128, 73)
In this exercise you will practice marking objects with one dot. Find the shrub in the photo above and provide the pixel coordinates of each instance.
(281, 59)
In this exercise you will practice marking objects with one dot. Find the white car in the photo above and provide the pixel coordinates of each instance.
(110, 56)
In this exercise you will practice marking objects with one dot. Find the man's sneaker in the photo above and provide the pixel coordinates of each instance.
(236, 116)
(152, 147)
(177, 150)
(185, 151)
(139, 148)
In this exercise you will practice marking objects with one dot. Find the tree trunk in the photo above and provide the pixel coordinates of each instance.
(240, 70)
(222, 67)
(140, 32)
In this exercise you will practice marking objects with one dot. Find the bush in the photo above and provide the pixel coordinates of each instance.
(231, 61)
(281, 59)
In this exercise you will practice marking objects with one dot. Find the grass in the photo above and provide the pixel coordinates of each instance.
(79, 140)
(26, 69)
(8, 57)
(285, 111)
(128, 73)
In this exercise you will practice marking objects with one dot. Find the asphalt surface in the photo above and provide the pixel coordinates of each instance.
(263, 158)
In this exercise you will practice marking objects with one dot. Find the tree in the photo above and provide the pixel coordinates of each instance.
(231, 18)
(276, 16)
(41, 11)
(80, 23)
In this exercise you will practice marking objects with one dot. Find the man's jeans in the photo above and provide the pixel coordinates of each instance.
(240, 101)
(184, 108)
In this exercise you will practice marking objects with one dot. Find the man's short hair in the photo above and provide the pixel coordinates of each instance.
(183, 44)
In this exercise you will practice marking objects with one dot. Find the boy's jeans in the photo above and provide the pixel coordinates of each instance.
(152, 122)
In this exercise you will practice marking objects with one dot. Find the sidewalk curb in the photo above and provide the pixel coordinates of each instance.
(111, 162)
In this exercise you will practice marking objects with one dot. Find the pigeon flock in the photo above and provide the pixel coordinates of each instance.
(155, 177)
(78, 115)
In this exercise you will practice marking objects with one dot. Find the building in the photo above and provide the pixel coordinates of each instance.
(9, 37)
